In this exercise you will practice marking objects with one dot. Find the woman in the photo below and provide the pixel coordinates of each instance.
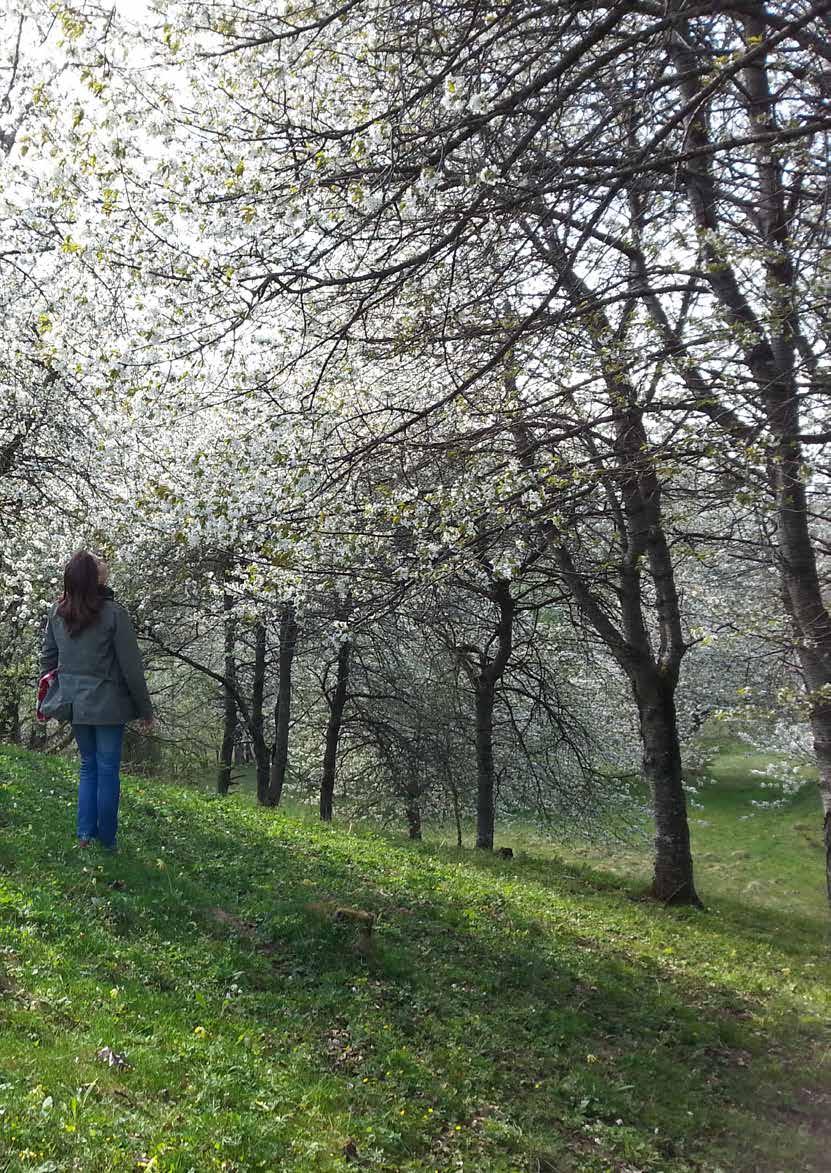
(100, 684)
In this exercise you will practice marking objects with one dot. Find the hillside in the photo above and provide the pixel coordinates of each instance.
(192, 1003)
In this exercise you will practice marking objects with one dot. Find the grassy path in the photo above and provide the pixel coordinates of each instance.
(512, 1015)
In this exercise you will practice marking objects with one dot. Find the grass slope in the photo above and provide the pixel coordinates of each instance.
(513, 1015)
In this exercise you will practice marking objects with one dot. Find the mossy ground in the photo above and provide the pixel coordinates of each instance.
(530, 1014)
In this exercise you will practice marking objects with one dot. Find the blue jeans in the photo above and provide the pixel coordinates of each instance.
(99, 787)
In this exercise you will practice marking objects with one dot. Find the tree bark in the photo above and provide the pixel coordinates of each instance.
(673, 867)
(412, 810)
(490, 673)
(821, 733)
(229, 703)
(816, 672)
(282, 710)
(485, 813)
(257, 714)
(336, 701)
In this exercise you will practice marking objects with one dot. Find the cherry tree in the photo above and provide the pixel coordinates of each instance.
(374, 295)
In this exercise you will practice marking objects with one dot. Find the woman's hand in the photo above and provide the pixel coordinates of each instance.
(146, 726)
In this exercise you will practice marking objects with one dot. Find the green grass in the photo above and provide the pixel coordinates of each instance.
(766, 865)
(532, 1014)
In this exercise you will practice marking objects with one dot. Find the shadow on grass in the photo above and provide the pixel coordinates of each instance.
(725, 917)
(457, 959)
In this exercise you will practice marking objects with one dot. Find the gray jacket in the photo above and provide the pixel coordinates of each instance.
(100, 673)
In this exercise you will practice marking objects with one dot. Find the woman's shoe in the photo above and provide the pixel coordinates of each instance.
(85, 843)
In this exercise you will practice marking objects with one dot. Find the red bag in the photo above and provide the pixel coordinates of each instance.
(43, 687)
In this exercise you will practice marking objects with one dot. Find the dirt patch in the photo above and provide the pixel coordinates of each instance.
(243, 928)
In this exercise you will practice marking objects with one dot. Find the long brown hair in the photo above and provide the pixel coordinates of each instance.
(82, 599)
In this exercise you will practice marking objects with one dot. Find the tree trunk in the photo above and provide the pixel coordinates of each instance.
(770, 356)
(336, 701)
(412, 810)
(282, 710)
(817, 678)
(801, 586)
(826, 805)
(490, 673)
(257, 715)
(673, 866)
(643, 544)
(484, 764)
(229, 704)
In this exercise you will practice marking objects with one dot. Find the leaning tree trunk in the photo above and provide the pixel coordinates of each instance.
(802, 594)
(336, 702)
(258, 716)
(282, 710)
(821, 732)
(817, 677)
(635, 493)
(776, 368)
(229, 703)
(774, 348)
(673, 866)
